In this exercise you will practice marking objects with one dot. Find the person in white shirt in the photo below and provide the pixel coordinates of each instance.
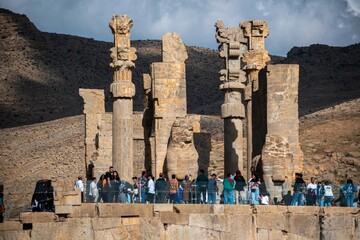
(93, 190)
(151, 189)
(265, 199)
(328, 194)
(311, 192)
(79, 184)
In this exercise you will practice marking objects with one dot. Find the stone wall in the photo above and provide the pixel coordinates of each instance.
(167, 221)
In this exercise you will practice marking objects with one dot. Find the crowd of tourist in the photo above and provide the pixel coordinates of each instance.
(204, 190)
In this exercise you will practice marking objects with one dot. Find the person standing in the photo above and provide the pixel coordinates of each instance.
(298, 188)
(311, 192)
(135, 192)
(349, 190)
(142, 183)
(201, 183)
(151, 189)
(229, 184)
(174, 186)
(160, 189)
(115, 187)
(94, 193)
(320, 194)
(2, 205)
(79, 184)
(186, 185)
(255, 189)
(99, 188)
(240, 185)
(328, 194)
(122, 192)
(212, 189)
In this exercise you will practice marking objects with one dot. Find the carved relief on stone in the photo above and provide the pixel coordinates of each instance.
(232, 46)
(182, 157)
(173, 49)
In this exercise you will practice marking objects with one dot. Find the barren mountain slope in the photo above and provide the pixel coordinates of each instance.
(50, 150)
(40, 73)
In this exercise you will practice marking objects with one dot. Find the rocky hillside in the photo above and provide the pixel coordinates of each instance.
(40, 73)
(328, 75)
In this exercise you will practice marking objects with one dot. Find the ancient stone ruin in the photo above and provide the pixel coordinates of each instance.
(122, 90)
(272, 125)
(260, 111)
(169, 131)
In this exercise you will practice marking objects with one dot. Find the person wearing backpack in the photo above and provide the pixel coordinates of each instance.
(349, 190)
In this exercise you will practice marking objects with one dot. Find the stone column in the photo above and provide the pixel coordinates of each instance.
(122, 90)
(169, 94)
(232, 46)
(255, 59)
(281, 155)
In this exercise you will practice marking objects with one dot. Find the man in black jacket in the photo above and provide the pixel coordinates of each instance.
(160, 188)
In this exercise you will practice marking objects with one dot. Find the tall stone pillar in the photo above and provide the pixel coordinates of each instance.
(281, 155)
(255, 59)
(169, 94)
(232, 46)
(122, 90)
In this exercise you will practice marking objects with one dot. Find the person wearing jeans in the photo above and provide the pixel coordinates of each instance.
(229, 184)
(212, 189)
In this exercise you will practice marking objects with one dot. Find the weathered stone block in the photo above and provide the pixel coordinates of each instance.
(94, 101)
(11, 226)
(15, 235)
(71, 228)
(106, 223)
(218, 222)
(131, 221)
(272, 221)
(119, 210)
(305, 225)
(163, 70)
(163, 207)
(37, 217)
(189, 232)
(63, 209)
(174, 218)
(218, 208)
(193, 208)
(237, 209)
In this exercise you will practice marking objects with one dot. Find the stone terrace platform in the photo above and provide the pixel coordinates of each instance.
(167, 221)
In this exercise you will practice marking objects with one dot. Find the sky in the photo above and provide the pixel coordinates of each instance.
(291, 22)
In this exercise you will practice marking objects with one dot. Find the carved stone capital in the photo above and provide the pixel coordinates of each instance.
(233, 110)
(255, 59)
(122, 89)
(120, 24)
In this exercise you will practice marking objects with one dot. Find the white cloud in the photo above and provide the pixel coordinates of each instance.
(292, 23)
(354, 7)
